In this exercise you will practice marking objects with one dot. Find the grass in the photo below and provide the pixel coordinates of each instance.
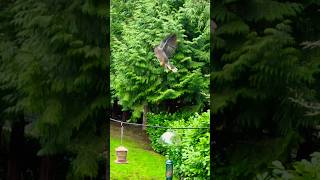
(143, 162)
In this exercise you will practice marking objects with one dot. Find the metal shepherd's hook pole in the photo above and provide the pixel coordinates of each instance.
(121, 132)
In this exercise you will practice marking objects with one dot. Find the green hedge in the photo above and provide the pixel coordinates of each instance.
(191, 156)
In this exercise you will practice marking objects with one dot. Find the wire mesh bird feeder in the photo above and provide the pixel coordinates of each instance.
(121, 151)
(169, 138)
(169, 170)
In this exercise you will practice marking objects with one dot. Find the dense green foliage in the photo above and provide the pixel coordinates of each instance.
(162, 119)
(258, 66)
(10, 86)
(191, 156)
(53, 67)
(303, 169)
(310, 99)
(136, 76)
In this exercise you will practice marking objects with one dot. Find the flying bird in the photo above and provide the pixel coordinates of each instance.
(165, 51)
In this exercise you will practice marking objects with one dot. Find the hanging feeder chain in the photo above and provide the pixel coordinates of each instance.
(154, 126)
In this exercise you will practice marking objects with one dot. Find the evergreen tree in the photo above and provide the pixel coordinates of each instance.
(137, 78)
(58, 65)
(11, 94)
(258, 66)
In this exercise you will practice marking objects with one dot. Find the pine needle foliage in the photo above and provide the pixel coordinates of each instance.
(258, 66)
(57, 61)
(136, 76)
(10, 87)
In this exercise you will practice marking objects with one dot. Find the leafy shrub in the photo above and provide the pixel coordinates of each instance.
(191, 156)
(162, 119)
(301, 170)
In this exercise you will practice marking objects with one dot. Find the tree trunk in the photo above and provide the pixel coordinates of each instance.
(16, 149)
(47, 168)
(113, 114)
(125, 116)
(114, 109)
(144, 120)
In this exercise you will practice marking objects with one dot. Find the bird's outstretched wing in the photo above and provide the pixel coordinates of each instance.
(169, 45)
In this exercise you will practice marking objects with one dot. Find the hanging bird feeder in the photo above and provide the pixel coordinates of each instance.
(121, 151)
(169, 138)
(169, 170)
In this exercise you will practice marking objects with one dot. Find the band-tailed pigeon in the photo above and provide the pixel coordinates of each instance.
(165, 50)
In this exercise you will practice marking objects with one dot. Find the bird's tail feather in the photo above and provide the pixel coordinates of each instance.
(171, 67)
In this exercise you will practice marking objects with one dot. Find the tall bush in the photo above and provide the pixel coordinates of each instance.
(191, 156)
